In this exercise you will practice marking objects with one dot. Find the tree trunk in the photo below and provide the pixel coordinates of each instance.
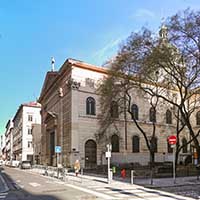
(152, 165)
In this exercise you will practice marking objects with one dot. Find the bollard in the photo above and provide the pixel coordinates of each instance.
(111, 175)
(132, 176)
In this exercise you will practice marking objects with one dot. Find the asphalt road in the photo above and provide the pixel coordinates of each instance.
(27, 186)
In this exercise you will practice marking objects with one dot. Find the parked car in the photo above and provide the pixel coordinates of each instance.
(15, 163)
(26, 164)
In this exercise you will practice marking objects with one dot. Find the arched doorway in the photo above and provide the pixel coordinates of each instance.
(90, 154)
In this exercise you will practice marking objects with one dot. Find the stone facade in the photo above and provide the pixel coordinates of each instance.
(65, 121)
(36, 134)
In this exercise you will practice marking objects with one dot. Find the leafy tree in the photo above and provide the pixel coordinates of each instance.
(164, 69)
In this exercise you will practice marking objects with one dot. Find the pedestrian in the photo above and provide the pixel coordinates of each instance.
(77, 167)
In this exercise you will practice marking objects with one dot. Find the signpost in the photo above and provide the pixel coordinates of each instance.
(172, 141)
(58, 150)
(108, 155)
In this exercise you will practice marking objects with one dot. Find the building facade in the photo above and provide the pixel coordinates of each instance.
(2, 147)
(70, 112)
(26, 115)
(37, 145)
(9, 140)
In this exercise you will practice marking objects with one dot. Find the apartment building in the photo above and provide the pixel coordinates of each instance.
(26, 115)
(9, 140)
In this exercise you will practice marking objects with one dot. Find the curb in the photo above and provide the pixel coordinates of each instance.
(4, 184)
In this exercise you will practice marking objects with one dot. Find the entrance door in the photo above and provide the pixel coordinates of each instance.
(52, 147)
(90, 154)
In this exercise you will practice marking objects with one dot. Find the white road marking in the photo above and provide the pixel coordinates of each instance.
(34, 184)
(4, 184)
(2, 197)
(101, 195)
(102, 189)
(3, 193)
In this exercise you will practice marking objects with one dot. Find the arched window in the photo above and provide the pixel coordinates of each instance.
(198, 118)
(154, 142)
(114, 109)
(168, 117)
(90, 106)
(152, 114)
(115, 143)
(184, 143)
(169, 148)
(134, 110)
(135, 144)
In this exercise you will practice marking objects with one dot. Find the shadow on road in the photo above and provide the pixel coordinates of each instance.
(17, 193)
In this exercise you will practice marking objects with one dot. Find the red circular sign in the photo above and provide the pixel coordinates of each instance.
(172, 139)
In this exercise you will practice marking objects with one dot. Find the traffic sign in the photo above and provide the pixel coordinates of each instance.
(108, 154)
(172, 139)
(58, 149)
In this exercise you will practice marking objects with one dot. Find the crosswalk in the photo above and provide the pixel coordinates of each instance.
(3, 195)
(136, 193)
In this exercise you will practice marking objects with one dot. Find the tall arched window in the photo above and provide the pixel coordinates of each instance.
(198, 118)
(184, 143)
(135, 144)
(115, 143)
(168, 117)
(152, 114)
(90, 106)
(154, 144)
(114, 109)
(135, 111)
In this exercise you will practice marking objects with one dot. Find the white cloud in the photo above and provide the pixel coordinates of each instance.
(103, 53)
(143, 13)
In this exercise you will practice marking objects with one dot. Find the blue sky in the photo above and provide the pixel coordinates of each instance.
(31, 31)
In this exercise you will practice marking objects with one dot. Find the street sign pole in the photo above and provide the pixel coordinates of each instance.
(108, 155)
(174, 167)
(172, 141)
(58, 150)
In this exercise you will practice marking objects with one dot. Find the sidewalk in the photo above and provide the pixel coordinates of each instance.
(121, 188)
(168, 182)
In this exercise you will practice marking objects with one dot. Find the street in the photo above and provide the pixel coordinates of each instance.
(30, 185)
(23, 185)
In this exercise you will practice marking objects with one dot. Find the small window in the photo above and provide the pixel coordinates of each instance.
(134, 110)
(29, 144)
(30, 118)
(154, 142)
(29, 131)
(152, 114)
(90, 106)
(135, 144)
(115, 143)
(114, 109)
(168, 117)
(198, 118)
(184, 143)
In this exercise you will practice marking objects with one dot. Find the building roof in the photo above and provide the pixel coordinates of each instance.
(29, 104)
(53, 76)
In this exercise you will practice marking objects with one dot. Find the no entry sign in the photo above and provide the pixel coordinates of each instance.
(172, 139)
